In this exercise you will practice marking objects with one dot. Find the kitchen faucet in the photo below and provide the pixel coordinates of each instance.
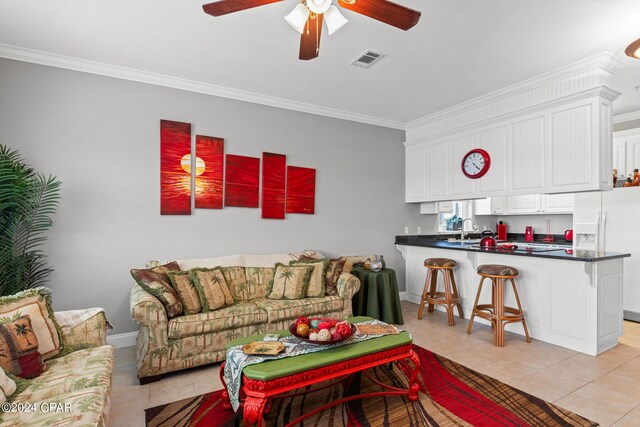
(462, 235)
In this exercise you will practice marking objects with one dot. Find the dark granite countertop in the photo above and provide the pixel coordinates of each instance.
(559, 249)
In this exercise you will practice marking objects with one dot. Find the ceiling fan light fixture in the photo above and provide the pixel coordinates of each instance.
(298, 17)
(318, 6)
(633, 50)
(334, 19)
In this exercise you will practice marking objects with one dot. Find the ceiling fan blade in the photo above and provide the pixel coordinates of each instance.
(223, 7)
(384, 11)
(310, 39)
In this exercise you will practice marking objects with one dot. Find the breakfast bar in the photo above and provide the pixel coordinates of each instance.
(571, 298)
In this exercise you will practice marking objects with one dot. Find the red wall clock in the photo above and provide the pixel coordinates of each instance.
(476, 163)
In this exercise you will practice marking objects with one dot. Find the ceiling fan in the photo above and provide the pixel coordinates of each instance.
(308, 16)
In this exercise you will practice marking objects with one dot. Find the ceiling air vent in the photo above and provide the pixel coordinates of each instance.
(367, 59)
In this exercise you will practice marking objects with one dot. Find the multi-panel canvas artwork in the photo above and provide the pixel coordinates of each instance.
(274, 169)
(175, 168)
(218, 180)
(209, 172)
(242, 180)
(301, 190)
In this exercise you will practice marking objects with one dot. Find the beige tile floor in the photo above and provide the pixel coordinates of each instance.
(605, 388)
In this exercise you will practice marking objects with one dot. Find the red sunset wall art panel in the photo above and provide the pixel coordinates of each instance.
(242, 179)
(175, 168)
(274, 169)
(209, 172)
(301, 190)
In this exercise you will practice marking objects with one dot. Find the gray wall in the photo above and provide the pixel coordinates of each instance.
(100, 136)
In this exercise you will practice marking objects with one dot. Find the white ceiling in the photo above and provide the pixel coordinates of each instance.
(460, 49)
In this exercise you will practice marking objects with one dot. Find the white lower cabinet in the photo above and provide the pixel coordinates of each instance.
(577, 305)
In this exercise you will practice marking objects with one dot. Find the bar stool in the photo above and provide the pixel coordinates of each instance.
(496, 312)
(449, 297)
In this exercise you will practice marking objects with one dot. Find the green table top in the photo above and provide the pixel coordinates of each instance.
(291, 365)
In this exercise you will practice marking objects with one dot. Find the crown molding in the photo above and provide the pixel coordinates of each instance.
(118, 72)
(627, 133)
(581, 76)
(621, 118)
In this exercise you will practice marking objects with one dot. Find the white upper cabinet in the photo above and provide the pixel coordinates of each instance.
(548, 135)
(557, 203)
(620, 157)
(633, 154)
(489, 206)
(437, 173)
(494, 141)
(527, 155)
(571, 159)
(461, 185)
(527, 204)
(416, 173)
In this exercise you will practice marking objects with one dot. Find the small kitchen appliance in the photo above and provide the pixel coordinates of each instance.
(488, 240)
(502, 231)
(568, 236)
(528, 233)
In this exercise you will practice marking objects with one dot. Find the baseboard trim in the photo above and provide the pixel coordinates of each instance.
(403, 296)
(631, 315)
(128, 339)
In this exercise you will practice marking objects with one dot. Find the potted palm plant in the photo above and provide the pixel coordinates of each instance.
(28, 200)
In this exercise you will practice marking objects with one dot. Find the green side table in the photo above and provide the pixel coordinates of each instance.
(378, 296)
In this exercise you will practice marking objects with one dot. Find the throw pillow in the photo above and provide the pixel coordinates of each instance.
(290, 281)
(258, 280)
(317, 280)
(156, 281)
(35, 303)
(212, 287)
(7, 386)
(334, 269)
(237, 281)
(182, 282)
(19, 353)
(355, 259)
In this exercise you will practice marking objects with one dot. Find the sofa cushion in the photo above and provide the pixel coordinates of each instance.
(184, 285)
(237, 315)
(82, 369)
(317, 280)
(212, 288)
(86, 407)
(289, 282)
(258, 280)
(290, 309)
(36, 303)
(19, 353)
(237, 282)
(333, 273)
(156, 281)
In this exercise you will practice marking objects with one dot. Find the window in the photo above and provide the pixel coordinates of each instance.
(452, 221)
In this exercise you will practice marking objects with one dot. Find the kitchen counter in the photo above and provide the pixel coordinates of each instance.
(573, 300)
(564, 253)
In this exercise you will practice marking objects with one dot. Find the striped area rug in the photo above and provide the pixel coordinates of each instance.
(452, 395)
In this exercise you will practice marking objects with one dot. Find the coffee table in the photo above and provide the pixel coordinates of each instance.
(263, 382)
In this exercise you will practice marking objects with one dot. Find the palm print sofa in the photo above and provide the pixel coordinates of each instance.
(75, 387)
(171, 340)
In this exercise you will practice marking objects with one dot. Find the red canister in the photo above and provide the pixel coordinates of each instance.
(501, 229)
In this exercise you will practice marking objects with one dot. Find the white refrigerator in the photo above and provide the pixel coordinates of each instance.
(609, 221)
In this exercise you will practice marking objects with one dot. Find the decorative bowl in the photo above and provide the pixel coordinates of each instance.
(292, 329)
